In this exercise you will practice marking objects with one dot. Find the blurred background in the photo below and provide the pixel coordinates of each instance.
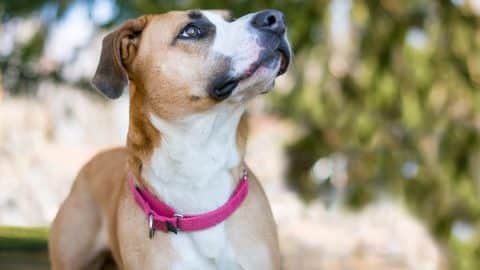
(368, 148)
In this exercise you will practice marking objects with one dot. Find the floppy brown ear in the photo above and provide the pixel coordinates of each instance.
(118, 50)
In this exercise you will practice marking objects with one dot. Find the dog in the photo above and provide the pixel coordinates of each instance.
(179, 195)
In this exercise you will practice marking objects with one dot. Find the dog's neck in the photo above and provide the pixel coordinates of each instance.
(191, 168)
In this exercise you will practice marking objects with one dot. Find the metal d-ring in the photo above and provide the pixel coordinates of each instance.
(245, 174)
(151, 229)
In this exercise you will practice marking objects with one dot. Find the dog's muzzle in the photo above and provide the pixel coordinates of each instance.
(271, 24)
(270, 28)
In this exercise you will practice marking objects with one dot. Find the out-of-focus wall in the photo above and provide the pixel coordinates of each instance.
(45, 140)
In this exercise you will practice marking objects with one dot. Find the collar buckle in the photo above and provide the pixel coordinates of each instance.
(174, 228)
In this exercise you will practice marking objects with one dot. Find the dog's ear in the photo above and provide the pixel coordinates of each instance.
(118, 51)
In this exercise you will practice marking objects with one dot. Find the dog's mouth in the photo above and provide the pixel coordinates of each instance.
(278, 57)
(285, 61)
(270, 59)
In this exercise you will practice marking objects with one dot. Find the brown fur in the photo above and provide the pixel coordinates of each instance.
(100, 218)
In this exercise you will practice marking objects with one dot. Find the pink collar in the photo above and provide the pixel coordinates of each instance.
(163, 217)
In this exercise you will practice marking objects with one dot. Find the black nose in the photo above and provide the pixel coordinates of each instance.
(270, 20)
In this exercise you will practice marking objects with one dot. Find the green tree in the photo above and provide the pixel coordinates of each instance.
(398, 106)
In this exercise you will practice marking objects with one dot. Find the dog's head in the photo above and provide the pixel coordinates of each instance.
(184, 62)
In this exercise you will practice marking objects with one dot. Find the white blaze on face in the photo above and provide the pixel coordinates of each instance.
(240, 42)
(236, 40)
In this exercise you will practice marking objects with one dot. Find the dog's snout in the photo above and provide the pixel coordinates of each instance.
(270, 20)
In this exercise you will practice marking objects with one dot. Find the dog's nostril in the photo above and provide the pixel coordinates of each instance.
(269, 20)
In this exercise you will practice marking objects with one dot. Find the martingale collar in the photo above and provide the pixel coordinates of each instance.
(164, 218)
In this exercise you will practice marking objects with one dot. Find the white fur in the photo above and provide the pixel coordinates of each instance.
(191, 172)
(190, 169)
(237, 40)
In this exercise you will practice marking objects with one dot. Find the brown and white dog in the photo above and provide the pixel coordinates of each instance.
(190, 76)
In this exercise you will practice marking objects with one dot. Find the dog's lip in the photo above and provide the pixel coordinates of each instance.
(282, 52)
(285, 60)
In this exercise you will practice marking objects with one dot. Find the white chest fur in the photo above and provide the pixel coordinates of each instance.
(190, 170)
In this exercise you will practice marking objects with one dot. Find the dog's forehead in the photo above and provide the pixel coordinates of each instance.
(218, 18)
(224, 14)
(177, 17)
(174, 21)
(167, 23)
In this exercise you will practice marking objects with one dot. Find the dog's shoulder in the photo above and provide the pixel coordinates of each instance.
(107, 158)
(104, 169)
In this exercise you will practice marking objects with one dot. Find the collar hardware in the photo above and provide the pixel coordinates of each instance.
(151, 229)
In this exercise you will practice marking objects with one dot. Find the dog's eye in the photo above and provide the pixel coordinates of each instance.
(191, 31)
